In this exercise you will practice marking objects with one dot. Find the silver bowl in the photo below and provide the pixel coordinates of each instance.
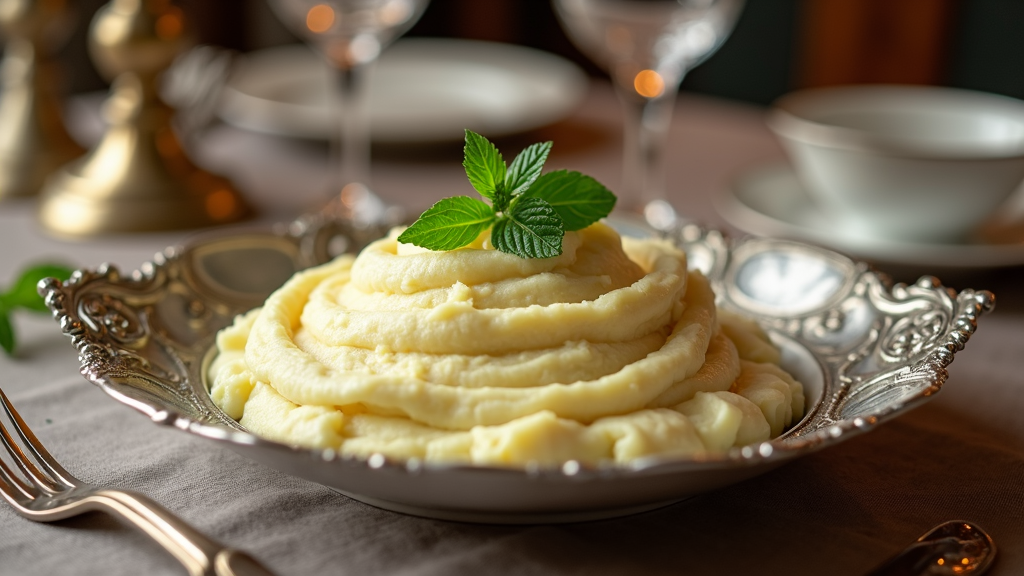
(865, 350)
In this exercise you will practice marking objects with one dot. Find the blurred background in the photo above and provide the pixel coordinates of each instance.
(777, 46)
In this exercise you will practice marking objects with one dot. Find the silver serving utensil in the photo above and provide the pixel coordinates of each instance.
(45, 492)
(954, 547)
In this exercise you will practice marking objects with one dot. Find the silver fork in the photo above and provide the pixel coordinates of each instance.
(46, 492)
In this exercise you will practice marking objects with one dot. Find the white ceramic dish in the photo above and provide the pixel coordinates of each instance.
(909, 163)
(423, 90)
(866, 352)
(772, 201)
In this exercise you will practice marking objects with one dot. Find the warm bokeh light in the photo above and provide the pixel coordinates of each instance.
(320, 18)
(649, 84)
(394, 13)
(353, 194)
(170, 25)
(220, 204)
(941, 561)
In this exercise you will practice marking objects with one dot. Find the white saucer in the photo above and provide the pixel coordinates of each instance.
(422, 90)
(771, 201)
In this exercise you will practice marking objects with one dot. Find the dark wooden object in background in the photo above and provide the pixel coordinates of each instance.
(874, 41)
(222, 22)
(777, 46)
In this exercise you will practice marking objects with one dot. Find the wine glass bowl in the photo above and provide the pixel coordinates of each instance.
(647, 47)
(349, 32)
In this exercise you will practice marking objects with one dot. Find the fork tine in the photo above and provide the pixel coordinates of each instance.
(199, 554)
(11, 485)
(52, 473)
(24, 464)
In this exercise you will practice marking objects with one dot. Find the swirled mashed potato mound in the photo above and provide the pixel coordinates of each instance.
(610, 352)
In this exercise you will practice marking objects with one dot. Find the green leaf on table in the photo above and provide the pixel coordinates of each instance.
(23, 293)
(525, 169)
(6, 333)
(484, 167)
(531, 229)
(449, 224)
(579, 199)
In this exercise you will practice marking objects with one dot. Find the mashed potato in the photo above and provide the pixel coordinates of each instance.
(610, 352)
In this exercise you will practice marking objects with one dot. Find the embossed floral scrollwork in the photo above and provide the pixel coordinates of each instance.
(825, 324)
(109, 317)
(910, 335)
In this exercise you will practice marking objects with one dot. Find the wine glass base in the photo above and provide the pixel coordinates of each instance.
(359, 205)
(660, 215)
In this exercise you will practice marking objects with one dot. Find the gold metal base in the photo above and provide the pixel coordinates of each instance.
(137, 179)
(33, 142)
(71, 207)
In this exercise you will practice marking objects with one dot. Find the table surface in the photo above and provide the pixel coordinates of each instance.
(840, 511)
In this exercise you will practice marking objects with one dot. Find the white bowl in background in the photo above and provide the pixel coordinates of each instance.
(904, 162)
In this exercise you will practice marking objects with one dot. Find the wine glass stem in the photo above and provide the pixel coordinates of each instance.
(352, 150)
(645, 139)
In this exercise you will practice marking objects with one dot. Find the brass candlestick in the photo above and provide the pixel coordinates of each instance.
(138, 177)
(33, 142)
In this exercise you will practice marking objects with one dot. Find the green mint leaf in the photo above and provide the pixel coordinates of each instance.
(502, 199)
(531, 229)
(578, 199)
(449, 224)
(526, 167)
(6, 333)
(529, 212)
(23, 293)
(484, 166)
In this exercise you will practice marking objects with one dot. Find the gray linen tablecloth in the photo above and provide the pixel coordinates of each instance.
(840, 511)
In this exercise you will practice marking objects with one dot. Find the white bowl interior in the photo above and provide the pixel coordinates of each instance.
(925, 120)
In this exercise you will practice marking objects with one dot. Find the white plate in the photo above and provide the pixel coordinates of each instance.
(771, 201)
(423, 90)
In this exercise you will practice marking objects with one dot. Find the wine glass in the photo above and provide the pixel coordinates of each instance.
(350, 35)
(647, 47)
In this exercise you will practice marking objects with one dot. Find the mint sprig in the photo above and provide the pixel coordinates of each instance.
(531, 229)
(529, 212)
(579, 199)
(484, 165)
(22, 294)
(526, 167)
(451, 223)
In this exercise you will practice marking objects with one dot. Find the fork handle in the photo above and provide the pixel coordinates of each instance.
(200, 555)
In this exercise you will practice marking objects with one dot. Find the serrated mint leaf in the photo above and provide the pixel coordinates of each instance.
(529, 212)
(449, 224)
(531, 229)
(578, 199)
(484, 165)
(526, 167)
(23, 293)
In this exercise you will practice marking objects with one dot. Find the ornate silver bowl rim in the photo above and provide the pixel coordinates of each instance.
(866, 350)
